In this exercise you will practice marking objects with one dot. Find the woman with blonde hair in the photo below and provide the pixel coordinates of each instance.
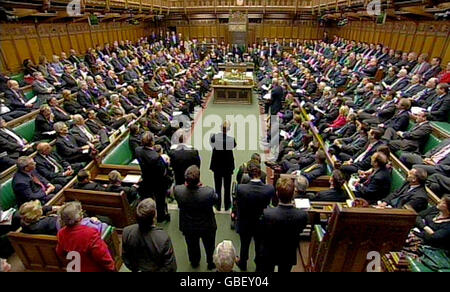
(34, 218)
(339, 122)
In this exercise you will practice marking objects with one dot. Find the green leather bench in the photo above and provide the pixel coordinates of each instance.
(442, 126)
(19, 77)
(397, 180)
(29, 95)
(121, 155)
(7, 196)
(27, 130)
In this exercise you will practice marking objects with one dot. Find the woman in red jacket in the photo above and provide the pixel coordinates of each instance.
(444, 76)
(339, 122)
(86, 241)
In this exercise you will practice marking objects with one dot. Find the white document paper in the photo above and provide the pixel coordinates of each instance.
(303, 204)
(32, 100)
(131, 179)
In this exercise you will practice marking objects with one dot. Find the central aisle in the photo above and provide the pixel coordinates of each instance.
(202, 127)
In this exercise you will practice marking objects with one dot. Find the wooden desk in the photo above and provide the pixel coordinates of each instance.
(233, 94)
(241, 67)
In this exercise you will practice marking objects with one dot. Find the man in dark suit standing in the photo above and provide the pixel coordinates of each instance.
(252, 199)
(154, 182)
(280, 228)
(197, 219)
(222, 164)
(182, 156)
(276, 98)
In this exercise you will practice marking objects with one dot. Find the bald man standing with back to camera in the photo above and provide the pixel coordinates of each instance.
(222, 164)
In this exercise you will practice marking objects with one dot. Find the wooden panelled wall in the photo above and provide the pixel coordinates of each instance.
(432, 37)
(256, 32)
(21, 41)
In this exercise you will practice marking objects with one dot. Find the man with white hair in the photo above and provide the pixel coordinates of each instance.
(29, 185)
(401, 82)
(83, 134)
(225, 256)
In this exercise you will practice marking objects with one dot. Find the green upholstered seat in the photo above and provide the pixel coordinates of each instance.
(443, 126)
(121, 155)
(397, 180)
(18, 77)
(29, 95)
(7, 196)
(26, 130)
(432, 143)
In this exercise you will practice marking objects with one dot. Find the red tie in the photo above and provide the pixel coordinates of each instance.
(37, 181)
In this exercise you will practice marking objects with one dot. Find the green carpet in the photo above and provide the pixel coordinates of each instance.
(224, 232)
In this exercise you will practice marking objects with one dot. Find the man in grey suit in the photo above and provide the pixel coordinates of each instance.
(42, 88)
(434, 161)
(412, 140)
(197, 219)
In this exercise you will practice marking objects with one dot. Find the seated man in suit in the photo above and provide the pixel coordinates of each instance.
(12, 143)
(45, 121)
(83, 134)
(28, 185)
(16, 100)
(400, 120)
(42, 88)
(59, 113)
(378, 184)
(115, 186)
(84, 182)
(439, 106)
(280, 229)
(412, 194)
(336, 192)
(52, 167)
(412, 140)
(9, 114)
(251, 200)
(71, 149)
(95, 125)
(435, 161)
(362, 160)
(316, 169)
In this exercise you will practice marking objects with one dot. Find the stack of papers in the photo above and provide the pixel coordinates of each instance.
(7, 216)
(303, 204)
(32, 101)
(131, 179)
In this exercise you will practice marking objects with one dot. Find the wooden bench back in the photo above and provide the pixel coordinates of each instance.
(112, 205)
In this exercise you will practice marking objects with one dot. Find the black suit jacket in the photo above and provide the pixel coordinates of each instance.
(43, 126)
(252, 199)
(9, 144)
(90, 186)
(282, 225)
(332, 195)
(154, 170)
(399, 122)
(222, 160)
(377, 187)
(67, 148)
(417, 137)
(46, 169)
(276, 100)
(440, 108)
(85, 100)
(15, 102)
(27, 190)
(181, 159)
(416, 198)
(196, 209)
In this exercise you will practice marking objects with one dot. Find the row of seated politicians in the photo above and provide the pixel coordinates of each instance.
(335, 113)
(97, 99)
(73, 122)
